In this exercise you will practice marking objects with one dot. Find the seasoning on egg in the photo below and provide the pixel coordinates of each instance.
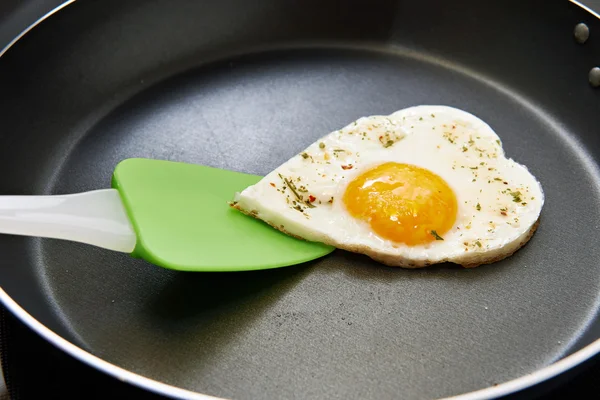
(516, 196)
(298, 196)
(389, 138)
(436, 236)
(394, 190)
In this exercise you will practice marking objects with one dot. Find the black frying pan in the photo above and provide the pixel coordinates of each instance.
(245, 85)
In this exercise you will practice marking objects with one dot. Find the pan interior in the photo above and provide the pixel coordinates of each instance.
(343, 326)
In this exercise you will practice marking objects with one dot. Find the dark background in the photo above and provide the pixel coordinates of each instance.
(32, 368)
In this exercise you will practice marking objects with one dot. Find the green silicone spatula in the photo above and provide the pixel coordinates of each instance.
(174, 215)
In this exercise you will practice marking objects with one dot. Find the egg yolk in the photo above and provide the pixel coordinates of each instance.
(403, 203)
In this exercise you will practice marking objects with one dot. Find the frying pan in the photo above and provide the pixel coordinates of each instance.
(244, 86)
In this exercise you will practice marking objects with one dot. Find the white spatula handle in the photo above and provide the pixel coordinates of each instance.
(97, 218)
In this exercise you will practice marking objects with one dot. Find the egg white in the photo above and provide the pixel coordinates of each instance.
(499, 200)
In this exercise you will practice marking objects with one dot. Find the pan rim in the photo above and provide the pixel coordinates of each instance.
(506, 388)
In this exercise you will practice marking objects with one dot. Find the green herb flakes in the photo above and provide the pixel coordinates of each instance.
(436, 236)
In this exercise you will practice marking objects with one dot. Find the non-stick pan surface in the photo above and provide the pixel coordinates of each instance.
(245, 85)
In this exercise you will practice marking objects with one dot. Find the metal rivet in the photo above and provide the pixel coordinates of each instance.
(581, 32)
(594, 77)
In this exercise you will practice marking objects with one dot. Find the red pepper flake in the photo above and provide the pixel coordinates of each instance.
(272, 184)
(349, 166)
(311, 198)
(503, 213)
(506, 183)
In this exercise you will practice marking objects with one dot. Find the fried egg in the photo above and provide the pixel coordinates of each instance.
(424, 185)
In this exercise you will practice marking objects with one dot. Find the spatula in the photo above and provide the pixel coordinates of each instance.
(174, 215)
